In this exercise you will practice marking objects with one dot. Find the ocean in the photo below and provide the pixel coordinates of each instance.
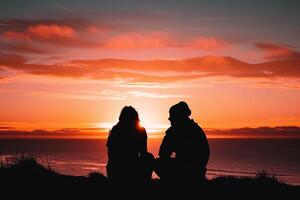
(240, 157)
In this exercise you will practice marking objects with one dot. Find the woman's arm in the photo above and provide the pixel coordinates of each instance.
(143, 147)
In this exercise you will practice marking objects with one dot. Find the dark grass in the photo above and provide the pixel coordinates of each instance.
(24, 178)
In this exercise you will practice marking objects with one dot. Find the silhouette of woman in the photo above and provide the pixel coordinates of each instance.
(128, 158)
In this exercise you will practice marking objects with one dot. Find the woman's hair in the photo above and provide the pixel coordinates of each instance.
(129, 115)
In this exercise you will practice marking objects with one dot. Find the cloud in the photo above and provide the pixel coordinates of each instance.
(41, 32)
(156, 71)
(196, 68)
(13, 35)
(5, 127)
(23, 47)
(60, 133)
(53, 36)
(45, 34)
(137, 40)
(80, 133)
(262, 132)
(120, 95)
(89, 34)
(153, 95)
(21, 25)
(280, 68)
(208, 43)
(277, 52)
(36, 36)
(5, 74)
(8, 60)
(106, 94)
(51, 31)
(159, 39)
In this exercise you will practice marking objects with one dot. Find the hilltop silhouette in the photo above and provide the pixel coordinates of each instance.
(27, 179)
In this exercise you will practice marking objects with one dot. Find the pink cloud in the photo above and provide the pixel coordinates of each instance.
(208, 43)
(12, 35)
(23, 35)
(31, 35)
(44, 32)
(259, 132)
(156, 71)
(94, 30)
(51, 31)
(136, 40)
(25, 47)
(277, 52)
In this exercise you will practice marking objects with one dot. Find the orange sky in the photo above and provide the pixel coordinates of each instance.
(77, 73)
(221, 91)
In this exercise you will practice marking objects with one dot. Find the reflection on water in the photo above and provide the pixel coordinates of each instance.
(228, 156)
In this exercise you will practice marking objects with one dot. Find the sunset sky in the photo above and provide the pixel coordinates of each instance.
(72, 65)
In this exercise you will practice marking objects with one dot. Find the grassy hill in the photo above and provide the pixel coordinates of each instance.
(26, 178)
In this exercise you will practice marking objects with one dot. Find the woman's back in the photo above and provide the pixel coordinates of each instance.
(126, 144)
(127, 149)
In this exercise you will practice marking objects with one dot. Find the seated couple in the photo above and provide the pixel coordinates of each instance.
(129, 159)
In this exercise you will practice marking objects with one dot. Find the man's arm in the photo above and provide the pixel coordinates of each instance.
(166, 148)
(205, 149)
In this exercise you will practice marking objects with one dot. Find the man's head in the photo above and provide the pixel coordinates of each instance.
(179, 113)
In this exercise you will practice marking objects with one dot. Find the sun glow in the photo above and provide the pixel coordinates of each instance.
(152, 127)
(149, 126)
(105, 125)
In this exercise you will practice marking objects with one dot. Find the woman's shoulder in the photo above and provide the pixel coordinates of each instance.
(113, 132)
(142, 132)
(141, 129)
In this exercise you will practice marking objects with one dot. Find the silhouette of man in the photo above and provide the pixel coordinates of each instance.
(188, 141)
(128, 158)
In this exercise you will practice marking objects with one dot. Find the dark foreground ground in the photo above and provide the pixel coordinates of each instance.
(27, 179)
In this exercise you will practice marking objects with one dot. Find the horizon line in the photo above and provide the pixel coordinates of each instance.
(101, 133)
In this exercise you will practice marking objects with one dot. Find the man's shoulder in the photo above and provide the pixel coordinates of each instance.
(169, 130)
(196, 127)
(194, 124)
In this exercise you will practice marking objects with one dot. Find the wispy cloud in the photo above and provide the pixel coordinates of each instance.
(97, 132)
(154, 95)
(137, 40)
(171, 71)
(60, 133)
(277, 52)
(39, 36)
(208, 43)
(259, 132)
(104, 94)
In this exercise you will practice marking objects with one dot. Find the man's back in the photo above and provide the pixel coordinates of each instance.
(188, 142)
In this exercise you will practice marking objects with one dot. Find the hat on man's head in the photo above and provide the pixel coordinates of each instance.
(180, 109)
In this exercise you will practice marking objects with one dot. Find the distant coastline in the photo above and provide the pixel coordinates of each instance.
(262, 132)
